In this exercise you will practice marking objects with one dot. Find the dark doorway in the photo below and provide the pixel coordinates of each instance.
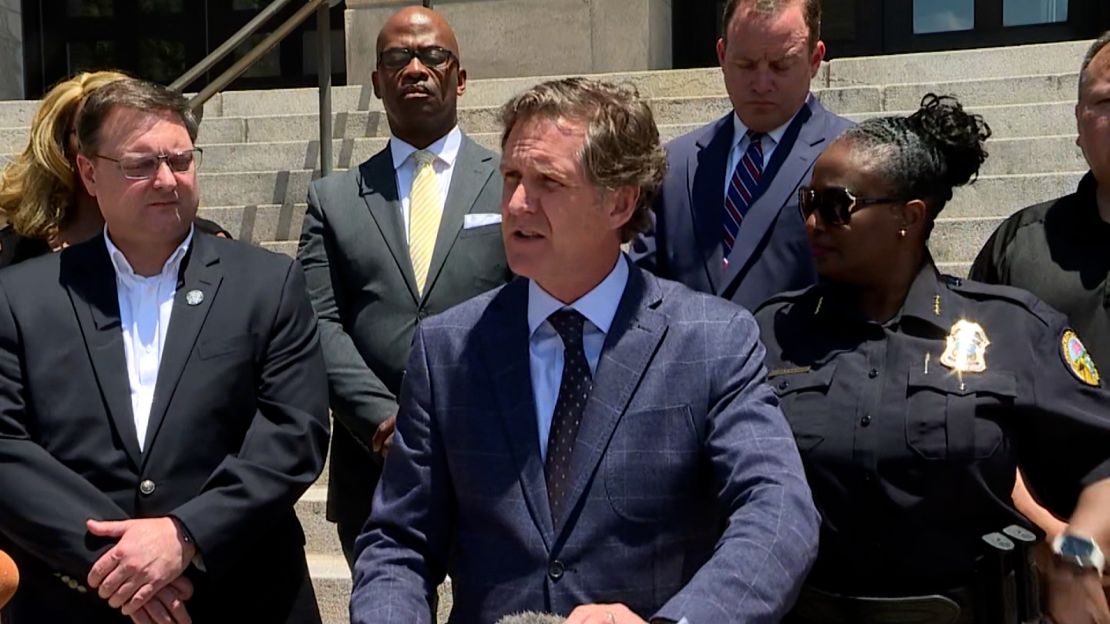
(159, 39)
(870, 27)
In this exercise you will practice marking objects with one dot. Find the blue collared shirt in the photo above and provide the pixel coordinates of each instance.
(545, 347)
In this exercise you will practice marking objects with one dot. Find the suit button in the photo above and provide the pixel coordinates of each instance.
(866, 420)
(871, 374)
(422, 314)
(555, 570)
(146, 487)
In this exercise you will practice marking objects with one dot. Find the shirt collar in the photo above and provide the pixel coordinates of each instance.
(445, 149)
(124, 269)
(599, 306)
(739, 130)
(928, 299)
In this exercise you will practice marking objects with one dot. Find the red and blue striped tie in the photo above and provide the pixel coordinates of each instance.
(742, 190)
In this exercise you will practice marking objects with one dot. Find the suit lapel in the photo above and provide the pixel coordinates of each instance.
(809, 145)
(378, 187)
(87, 273)
(632, 341)
(504, 340)
(472, 169)
(706, 175)
(201, 272)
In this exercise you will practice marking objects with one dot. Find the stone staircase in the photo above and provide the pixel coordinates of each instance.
(261, 149)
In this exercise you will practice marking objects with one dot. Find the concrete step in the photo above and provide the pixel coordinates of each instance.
(320, 535)
(1025, 89)
(332, 581)
(257, 223)
(1048, 58)
(990, 196)
(958, 240)
(1007, 156)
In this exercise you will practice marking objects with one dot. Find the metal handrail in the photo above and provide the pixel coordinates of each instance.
(323, 20)
(323, 28)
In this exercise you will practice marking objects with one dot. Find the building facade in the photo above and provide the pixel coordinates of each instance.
(44, 41)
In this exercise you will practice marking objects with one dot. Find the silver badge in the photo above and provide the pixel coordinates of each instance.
(194, 297)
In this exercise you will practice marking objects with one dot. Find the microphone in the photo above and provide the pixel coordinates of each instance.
(9, 578)
(531, 617)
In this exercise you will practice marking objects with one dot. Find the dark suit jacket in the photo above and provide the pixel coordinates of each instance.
(238, 427)
(361, 283)
(771, 253)
(689, 496)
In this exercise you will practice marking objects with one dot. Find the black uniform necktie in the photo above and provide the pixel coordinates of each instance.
(574, 390)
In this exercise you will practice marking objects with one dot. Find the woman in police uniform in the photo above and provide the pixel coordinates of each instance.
(914, 396)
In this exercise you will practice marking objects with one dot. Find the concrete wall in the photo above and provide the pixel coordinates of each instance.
(503, 38)
(11, 50)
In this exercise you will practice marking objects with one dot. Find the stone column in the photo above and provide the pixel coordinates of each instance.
(507, 38)
(11, 50)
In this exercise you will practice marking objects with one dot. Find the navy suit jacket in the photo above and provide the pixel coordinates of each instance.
(771, 254)
(689, 496)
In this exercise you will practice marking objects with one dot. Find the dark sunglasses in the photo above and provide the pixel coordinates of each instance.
(433, 57)
(835, 205)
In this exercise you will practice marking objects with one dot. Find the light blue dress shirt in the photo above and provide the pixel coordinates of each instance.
(545, 347)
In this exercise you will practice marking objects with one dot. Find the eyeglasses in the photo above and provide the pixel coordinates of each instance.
(433, 57)
(146, 166)
(835, 205)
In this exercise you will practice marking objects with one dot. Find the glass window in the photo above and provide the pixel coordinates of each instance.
(161, 6)
(933, 16)
(269, 66)
(1023, 12)
(90, 55)
(89, 8)
(838, 22)
(160, 60)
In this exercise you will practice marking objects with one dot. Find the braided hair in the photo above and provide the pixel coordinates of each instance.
(926, 155)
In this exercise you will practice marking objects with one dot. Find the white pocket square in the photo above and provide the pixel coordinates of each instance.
(481, 218)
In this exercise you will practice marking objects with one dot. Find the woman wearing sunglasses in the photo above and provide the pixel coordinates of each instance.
(914, 396)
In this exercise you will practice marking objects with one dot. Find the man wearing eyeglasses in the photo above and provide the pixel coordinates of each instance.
(726, 221)
(162, 398)
(410, 232)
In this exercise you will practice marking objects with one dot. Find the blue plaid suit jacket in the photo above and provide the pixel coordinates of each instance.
(690, 498)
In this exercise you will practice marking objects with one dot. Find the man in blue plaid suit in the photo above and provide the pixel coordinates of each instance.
(588, 440)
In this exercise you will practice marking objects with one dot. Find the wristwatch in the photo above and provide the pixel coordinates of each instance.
(1079, 551)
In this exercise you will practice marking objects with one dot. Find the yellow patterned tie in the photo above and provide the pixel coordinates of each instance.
(425, 210)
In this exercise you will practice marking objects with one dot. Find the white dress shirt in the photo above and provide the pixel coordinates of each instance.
(740, 143)
(446, 151)
(545, 347)
(145, 306)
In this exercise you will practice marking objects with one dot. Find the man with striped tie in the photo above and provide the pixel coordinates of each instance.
(410, 232)
(726, 221)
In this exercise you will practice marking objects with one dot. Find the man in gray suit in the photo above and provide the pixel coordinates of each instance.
(406, 234)
(589, 440)
(727, 220)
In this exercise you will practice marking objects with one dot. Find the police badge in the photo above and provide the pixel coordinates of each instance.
(1078, 360)
(965, 348)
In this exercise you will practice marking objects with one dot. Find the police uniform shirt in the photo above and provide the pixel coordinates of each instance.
(1060, 252)
(910, 462)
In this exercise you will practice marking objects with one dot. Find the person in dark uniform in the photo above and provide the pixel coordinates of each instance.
(914, 396)
(41, 198)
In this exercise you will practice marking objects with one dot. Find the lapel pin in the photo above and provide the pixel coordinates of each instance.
(194, 297)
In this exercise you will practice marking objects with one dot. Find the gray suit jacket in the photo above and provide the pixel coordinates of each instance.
(361, 284)
(689, 495)
(771, 254)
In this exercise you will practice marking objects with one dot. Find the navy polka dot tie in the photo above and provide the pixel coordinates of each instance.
(574, 390)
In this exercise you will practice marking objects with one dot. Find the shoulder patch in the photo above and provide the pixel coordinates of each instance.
(1077, 359)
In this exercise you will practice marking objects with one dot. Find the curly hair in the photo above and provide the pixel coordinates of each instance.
(38, 186)
(926, 155)
(622, 142)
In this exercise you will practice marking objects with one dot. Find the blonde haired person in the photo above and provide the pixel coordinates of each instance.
(45, 205)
